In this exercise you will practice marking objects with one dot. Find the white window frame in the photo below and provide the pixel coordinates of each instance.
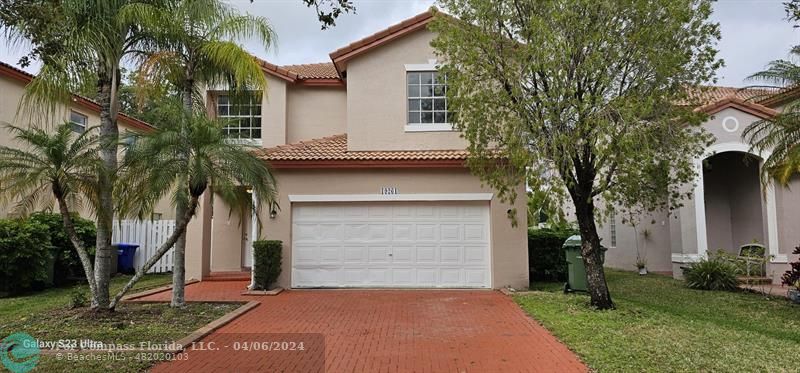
(76, 124)
(612, 227)
(243, 141)
(431, 66)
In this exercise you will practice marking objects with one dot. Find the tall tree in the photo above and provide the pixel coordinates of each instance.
(52, 168)
(92, 40)
(586, 88)
(195, 47)
(185, 157)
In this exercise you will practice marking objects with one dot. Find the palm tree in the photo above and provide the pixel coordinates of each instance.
(189, 155)
(53, 168)
(779, 135)
(90, 43)
(195, 46)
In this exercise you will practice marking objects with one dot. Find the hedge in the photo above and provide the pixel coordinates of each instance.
(267, 268)
(25, 255)
(545, 255)
(67, 263)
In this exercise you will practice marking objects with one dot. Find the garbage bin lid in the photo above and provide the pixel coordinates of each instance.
(127, 245)
(572, 241)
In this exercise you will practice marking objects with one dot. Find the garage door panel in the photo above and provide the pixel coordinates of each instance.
(305, 254)
(390, 244)
(426, 254)
(379, 254)
(427, 232)
(330, 254)
(402, 254)
(355, 254)
(475, 277)
(474, 232)
(450, 276)
(475, 254)
(450, 232)
(450, 254)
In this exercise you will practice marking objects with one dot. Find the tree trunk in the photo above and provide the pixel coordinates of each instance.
(86, 262)
(109, 135)
(180, 229)
(179, 262)
(590, 251)
(179, 256)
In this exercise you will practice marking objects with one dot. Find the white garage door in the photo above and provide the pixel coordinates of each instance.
(391, 244)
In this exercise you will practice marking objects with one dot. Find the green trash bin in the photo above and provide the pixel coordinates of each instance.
(576, 271)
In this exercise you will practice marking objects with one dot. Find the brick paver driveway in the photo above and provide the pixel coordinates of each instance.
(381, 331)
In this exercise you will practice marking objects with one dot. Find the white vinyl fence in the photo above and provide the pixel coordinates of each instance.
(149, 235)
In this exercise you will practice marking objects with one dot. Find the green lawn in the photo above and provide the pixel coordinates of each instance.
(47, 317)
(660, 325)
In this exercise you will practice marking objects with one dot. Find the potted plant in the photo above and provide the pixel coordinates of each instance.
(641, 264)
(792, 278)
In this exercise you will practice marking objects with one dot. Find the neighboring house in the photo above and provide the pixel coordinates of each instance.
(730, 206)
(373, 187)
(82, 112)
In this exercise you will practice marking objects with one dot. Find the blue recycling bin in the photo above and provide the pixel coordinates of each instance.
(126, 252)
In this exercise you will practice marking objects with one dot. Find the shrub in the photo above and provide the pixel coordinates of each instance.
(67, 263)
(267, 255)
(24, 255)
(78, 298)
(546, 260)
(792, 276)
(714, 273)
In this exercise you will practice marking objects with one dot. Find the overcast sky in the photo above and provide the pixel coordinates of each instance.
(754, 32)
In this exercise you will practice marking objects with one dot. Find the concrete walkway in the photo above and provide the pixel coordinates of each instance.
(374, 331)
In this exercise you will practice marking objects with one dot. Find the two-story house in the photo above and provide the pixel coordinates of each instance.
(82, 112)
(373, 187)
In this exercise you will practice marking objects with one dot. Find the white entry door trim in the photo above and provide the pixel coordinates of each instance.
(400, 244)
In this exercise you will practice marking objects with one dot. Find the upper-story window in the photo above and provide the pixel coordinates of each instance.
(427, 101)
(243, 114)
(78, 121)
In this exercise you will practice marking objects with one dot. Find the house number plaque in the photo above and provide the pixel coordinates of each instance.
(389, 191)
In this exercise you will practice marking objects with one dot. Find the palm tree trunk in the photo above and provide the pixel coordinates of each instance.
(179, 263)
(180, 230)
(179, 256)
(86, 262)
(109, 135)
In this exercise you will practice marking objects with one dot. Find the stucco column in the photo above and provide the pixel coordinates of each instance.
(198, 241)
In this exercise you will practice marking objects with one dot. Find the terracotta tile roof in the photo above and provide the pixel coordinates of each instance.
(707, 95)
(276, 70)
(25, 77)
(357, 47)
(323, 70)
(334, 148)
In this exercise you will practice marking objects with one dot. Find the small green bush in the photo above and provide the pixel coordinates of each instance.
(25, 256)
(78, 298)
(267, 255)
(714, 273)
(67, 263)
(546, 259)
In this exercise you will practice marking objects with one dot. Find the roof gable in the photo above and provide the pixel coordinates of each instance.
(25, 77)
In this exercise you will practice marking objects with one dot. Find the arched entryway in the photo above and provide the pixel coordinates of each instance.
(734, 183)
(735, 208)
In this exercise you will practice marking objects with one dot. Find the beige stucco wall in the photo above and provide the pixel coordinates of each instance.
(13, 91)
(653, 246)
(680, 229)
(509, 244)
(315, 112)
(377, 99)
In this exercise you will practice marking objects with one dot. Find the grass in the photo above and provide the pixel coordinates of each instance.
(47, 317)
(662, 326)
